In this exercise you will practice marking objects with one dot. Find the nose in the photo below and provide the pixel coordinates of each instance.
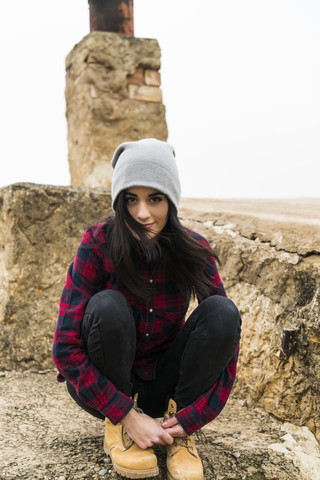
(143, 211)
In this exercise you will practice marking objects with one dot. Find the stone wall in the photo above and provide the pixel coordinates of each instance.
(40, 229)
(271, 269)
(113, 95)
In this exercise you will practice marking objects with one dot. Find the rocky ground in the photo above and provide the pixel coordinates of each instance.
(45, 435)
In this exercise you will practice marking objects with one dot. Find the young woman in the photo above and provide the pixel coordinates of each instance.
(122, 342)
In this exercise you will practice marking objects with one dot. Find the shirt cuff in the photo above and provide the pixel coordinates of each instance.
(190, 420)
(117, 408)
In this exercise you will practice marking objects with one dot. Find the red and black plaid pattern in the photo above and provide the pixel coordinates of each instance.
(157, 324)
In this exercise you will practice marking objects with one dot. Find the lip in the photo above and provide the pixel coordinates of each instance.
(148, 225)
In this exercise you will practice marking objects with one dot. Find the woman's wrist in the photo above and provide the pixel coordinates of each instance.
(131, 416)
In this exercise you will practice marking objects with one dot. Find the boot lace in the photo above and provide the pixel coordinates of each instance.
(183, 442)
(135, 404)
(201, 437)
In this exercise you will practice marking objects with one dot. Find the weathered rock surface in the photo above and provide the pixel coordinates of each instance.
(45, 435)
(113, 95)
(40, 229)
(271, 269)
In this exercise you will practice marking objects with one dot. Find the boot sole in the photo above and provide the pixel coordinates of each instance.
(127, 472)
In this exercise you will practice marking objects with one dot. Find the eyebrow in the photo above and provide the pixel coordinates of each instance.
(132, 194)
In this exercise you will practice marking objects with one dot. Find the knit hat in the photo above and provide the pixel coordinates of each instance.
(146, 163)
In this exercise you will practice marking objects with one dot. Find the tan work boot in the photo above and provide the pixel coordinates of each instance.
(183, 461)
(127, 457)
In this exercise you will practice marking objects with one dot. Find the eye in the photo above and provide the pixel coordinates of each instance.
(130, 200)
(156, 199)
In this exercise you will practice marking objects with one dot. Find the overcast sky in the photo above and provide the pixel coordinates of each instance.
(240, 81)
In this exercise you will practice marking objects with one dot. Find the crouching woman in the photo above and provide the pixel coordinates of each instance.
(122, 343)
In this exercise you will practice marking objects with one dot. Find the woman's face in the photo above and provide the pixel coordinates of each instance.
(148, 207)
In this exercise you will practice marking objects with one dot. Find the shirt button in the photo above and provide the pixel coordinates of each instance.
(150, 310)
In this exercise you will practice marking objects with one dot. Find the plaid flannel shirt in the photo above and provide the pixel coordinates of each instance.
(157, 324)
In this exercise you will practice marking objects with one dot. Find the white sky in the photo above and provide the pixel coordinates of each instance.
(240, 81)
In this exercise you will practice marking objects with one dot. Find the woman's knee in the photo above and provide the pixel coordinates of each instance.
(222, 316)
(106, 300)
(108, 309)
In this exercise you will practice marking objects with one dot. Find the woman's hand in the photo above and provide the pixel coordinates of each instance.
(144, 430)
(173, 427)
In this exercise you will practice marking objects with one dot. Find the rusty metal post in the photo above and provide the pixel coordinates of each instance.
(111, 16)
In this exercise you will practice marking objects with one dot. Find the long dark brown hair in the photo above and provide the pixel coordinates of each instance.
(174, 249)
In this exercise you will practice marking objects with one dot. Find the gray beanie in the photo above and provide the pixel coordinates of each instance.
(146, 163)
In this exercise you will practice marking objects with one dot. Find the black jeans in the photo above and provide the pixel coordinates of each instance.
(186, 370)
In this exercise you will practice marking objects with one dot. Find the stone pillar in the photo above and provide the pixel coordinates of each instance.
(113, 95)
